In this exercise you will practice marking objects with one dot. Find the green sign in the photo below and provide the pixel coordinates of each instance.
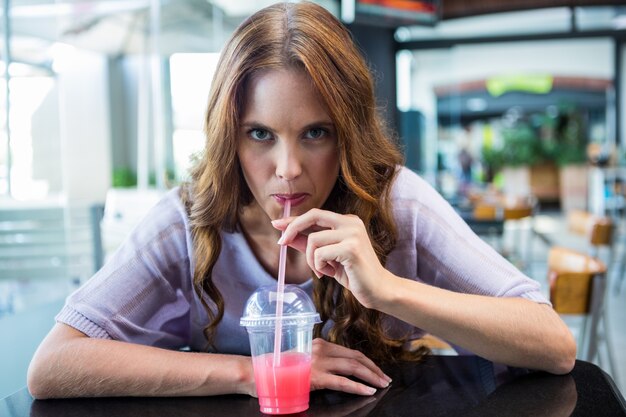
(535, 84)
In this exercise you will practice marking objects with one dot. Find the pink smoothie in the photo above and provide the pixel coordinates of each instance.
(283, 389)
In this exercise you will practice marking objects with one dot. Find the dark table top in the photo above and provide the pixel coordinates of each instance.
(438, 386)
(465, 209)
(482, 227)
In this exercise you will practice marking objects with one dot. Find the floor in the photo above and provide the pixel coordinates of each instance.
(30, 307)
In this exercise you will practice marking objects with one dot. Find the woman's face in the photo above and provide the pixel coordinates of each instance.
(287, 144)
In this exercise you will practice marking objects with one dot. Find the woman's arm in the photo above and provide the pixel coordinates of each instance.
(70, 364)
(513, 331)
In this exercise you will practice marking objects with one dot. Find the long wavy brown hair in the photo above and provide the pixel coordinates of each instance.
(307, 37)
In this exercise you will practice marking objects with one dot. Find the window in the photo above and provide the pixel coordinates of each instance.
(30, 166)
(191, 76)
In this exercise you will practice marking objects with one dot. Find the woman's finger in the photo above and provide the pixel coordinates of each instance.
(282, 223)
(352, 367)
(299, 243)
(333, 350)
(314, 218)
(328, 270)
(317, 240)
(340, 383)
(329, 257)
(333, 365)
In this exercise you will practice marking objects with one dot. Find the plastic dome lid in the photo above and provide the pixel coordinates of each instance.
(260, 309)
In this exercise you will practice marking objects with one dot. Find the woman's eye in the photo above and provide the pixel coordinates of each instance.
(260, 134)
(315, 133)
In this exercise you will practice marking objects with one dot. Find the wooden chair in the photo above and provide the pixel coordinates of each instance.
(485, 211)
(487, 221)
(577, 287)
(518, 211)
(508, 210)
(597, 230)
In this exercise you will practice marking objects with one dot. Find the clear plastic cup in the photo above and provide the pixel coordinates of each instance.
(283, 386)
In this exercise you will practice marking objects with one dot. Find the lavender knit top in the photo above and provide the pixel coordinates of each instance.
(144, 294)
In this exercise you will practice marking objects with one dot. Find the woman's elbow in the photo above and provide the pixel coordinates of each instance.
(42, 378)
(49, 372)
(564, 353)
(37, 390)
(37, 380)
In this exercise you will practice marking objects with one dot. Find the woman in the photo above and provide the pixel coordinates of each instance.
(291, 117)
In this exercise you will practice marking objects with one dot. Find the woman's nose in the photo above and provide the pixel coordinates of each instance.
(288, 162)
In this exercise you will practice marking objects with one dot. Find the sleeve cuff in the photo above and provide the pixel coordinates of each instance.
(81, 323)
(536, 297)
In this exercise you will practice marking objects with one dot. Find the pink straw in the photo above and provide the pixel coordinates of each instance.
(280, 292)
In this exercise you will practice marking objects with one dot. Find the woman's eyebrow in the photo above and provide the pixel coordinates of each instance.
(322, 123)
(257, 125)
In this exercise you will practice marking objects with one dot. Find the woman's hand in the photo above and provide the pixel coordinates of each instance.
(331, 364)
(338, 246)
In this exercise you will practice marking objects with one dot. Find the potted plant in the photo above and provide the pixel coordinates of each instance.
(521, 151)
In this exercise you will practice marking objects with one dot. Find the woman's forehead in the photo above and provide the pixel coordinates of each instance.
(280, 90)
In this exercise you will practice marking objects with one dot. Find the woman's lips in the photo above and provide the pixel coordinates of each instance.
(294, 199)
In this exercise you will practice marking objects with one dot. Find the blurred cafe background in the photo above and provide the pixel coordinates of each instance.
(514, 110)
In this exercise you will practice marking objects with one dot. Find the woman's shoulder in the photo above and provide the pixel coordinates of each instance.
(408, 185)
(411, 194)
(173, 199)
(170, 208)
(167, 216)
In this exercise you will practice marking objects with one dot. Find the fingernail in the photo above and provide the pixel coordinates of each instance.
(384, 383)
(318, 275)
(371, 391)
(387, 378)
(281, 240)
